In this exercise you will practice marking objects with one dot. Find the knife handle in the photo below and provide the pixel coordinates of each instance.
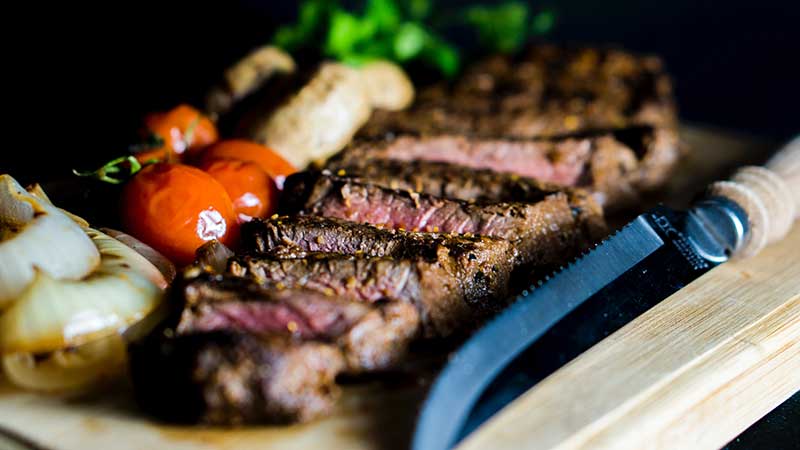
(770, 196)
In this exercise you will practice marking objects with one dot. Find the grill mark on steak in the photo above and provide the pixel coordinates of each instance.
(538, 231)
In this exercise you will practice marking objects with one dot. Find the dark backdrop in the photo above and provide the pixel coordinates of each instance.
(82, 76)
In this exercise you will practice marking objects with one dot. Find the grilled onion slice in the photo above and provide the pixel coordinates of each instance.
(55, 314)
(72, 370)
(37, 236)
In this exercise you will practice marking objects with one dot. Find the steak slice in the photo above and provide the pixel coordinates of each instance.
(465, 183)
(229, 303)
(283, 235)
(614, 165)
(447, 296)
(543, 233)
(543, 91)
(372, 337)
(224, 378)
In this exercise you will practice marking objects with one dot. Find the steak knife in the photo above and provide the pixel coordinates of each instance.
(556, 319)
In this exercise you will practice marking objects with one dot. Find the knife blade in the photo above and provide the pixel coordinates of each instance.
(556, 319)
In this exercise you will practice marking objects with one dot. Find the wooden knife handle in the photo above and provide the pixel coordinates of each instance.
(770, 196)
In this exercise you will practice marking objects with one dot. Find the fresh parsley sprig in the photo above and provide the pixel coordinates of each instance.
(407, 30)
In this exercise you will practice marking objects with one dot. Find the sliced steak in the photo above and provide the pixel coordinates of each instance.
(543, 233)
(229, 303)
(372, 337)
(290, 236)
(234, 352)
(615, 165)
(544, 91)
(465, 183)
(447, 296)
(226, 378)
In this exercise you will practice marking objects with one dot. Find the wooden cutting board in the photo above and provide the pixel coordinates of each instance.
(692, 373)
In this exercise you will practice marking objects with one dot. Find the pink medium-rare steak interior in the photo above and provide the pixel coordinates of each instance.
(306, 315)
(331, 196)
(560, 162)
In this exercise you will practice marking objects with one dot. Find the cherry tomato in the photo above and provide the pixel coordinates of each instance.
(176, 208)
(183, 129)
(269, 160)
(253, 192)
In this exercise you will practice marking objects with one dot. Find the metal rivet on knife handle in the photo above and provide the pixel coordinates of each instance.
(770, 198)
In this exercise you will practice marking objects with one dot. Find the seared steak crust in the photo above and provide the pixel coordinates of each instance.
(544, 91)
(332, 235)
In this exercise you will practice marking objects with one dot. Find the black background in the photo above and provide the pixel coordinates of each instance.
(83, 75)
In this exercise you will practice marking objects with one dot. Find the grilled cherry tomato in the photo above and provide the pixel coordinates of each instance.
(252, 191)
(176, 208)
(183, 130)
(269, 160)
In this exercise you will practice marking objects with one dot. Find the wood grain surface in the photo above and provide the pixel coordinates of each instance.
(692, 373)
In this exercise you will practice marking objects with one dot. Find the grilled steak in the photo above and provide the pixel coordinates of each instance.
(417, 227)
(234, 378)
(542, 232)
(615, 165)
(447, 296)
(544, 91)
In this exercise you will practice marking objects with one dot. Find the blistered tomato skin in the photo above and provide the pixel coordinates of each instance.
(269, 160)
(176, 208)
(252, 191)
(184, 131)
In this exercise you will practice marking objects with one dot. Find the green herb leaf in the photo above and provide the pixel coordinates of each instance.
(443, 56)
(406, 30)
(310, 20)
(384, 14)
(409, 41)
(345, 32)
